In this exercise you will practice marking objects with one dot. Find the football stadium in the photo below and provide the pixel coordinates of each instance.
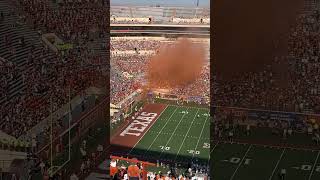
(54, 99)
(266, 121)
(64, 64)
(160, 116)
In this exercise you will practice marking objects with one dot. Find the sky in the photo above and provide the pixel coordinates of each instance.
(185, 3)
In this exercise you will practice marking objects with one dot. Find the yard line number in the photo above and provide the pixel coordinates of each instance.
(236, 160)
(193, 152)
(306, 167)
(166, 148)
(206, 145)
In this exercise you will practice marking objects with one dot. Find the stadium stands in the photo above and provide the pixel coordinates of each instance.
(136, 64)
(159, 15)
(36, 78)
(260, 91)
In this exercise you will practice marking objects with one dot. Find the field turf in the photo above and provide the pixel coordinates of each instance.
(177, 136)
(241, 161)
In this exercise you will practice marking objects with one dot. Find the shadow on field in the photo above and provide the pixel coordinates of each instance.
(154, 156)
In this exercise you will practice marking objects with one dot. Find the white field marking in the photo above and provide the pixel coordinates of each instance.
(275, 168)
(190, 107)
(154, 140)
(185, 136)
(200, 136)
(314, 165)
(147, 130)
(173, 132)
(214, 147)
(241, 162)
(193, 123)
(194, 137)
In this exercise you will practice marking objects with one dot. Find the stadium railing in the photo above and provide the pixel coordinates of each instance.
(81, 126)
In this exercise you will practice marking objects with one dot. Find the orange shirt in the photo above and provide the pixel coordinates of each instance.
(113, 171)
(133, 171)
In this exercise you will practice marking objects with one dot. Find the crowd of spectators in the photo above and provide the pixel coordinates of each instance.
(153, 20)
(73, 20)
(123, 170)
(191, 21)
(136, 65)
(8, 72)
(50, 78)
(121, 87)
(259, 89)
(124, 44)
(159, 15)
(129, 20)
(199, 88)
(45, 82)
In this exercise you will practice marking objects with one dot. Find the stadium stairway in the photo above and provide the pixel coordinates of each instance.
(13, 27)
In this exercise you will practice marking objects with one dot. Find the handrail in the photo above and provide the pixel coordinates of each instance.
(104, 101)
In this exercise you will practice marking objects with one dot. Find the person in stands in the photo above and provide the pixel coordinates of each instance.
(134, 172)
(113, 168)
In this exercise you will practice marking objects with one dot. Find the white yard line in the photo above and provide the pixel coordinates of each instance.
(147, 130)
(241, 162)
(200, 137)
(191, 107)
(186, 135)
(314, 165)
(214, 147)
(275, 168)
(154, 140)
(173, 133)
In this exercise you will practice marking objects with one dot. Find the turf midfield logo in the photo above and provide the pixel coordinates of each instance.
(139, 125)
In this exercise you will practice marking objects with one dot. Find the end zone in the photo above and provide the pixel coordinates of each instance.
(129, 135)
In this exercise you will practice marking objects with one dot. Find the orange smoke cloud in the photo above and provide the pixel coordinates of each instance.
(176, 65)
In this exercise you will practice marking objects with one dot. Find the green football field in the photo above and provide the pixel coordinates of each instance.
(240, 161)
(177, 136)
